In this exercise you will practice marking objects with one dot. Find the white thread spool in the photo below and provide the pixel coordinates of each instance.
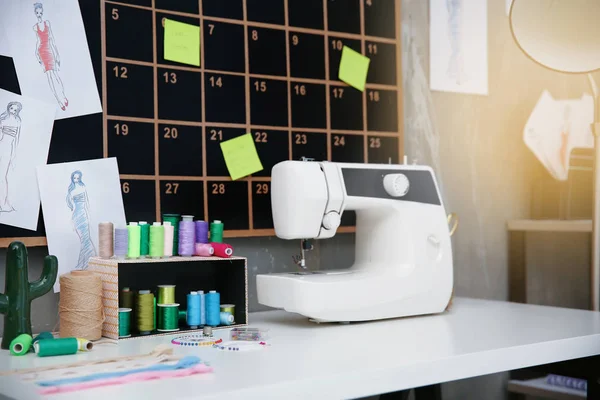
(169, 233)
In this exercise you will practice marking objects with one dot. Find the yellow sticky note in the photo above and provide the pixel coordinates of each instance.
(241, 156)
(182, 42)
(354, 68)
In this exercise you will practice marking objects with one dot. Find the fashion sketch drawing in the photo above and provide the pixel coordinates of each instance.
(78, 203)
(456, 69)
(10, 130)
(48, 56)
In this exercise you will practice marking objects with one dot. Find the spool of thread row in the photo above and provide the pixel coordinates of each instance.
(134, 241)
(202, 307)
(157, 240)
(204, 250)
(166, 294)
(187, 236)
(167, 319)
(56, 347)
(226, 318)
(145, 312)
(80, 305)
(216, 231)
(106, 239)
(21, 345)
(121, 242)
(169, 232)
(124, 322)
(201, 232)
(222, 250)
(174, 220)
(193, 310)
(213, 317)
(144, 239)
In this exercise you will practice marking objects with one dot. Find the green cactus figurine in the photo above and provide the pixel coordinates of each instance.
(15, 303)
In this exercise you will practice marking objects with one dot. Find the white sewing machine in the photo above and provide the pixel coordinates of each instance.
(403, 260)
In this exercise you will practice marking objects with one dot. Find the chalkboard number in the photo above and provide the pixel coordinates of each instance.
(260, 137)
(300, 90)
(125, 187)
(369, 3)
(115, 14)
(260, 86)
(170, 77)
(295, 40)
(262, 188)
(339, 141)
(218, 188)
(374, 96)
(374, 143)
(300, 138)
(122, 129)
(120, 72)
(171, 188)
(171, 133)
(211, 28)
(372, 48)
(254, 34)
(337, 44)
(216, 134)
(216, 82)
(338, 93)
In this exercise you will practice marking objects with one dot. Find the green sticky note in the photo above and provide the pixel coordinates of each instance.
(182, 42)
(241, 156)
(354, 68)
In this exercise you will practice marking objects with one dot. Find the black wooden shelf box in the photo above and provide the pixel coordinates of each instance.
(228, 276)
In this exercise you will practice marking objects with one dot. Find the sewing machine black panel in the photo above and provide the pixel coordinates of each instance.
(369, 183)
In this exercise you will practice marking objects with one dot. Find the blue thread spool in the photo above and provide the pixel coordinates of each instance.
(226, 318)
(213, 308)
(202, 307)
(193, 310)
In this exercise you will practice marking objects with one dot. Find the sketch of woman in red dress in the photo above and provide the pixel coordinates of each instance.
(47, 55)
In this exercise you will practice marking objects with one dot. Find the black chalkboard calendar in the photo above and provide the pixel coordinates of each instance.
(268, 67)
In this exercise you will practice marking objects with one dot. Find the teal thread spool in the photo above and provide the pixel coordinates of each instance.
(56, 347)
(144, 239)
(157, 240)
(174, 220)
(216, 231)
(166, 294)
(226, 318)
(145, 312)
(21, 345)
(43, 335)
(133, 243)
(124, 322)
(167, 317)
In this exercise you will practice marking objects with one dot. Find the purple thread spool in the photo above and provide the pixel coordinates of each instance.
(187, 236)
(201, 232)
(121, 242)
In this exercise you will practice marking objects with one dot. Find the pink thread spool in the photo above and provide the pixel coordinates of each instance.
(222, 250)
(204, 250)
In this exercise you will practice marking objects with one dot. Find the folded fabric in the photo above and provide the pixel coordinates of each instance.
(138, 377)
(186, 362)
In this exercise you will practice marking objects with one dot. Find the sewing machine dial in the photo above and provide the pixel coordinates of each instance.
(396, 185)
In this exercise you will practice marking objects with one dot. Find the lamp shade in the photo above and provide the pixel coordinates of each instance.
(563, 35)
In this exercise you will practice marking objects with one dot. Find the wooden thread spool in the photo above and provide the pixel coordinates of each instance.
(80, 307)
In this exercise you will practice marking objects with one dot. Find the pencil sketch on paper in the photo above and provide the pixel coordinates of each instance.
(456, 68)
(10, 130)
(48, 56)
(78, 203)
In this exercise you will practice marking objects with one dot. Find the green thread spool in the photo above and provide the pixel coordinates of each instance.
(124, 322)
(43, 335)
(154, 314)
(134, 240)
(216, 231)
(168, 317)
(174, 220)
(230, 308)
(182, 316)
(157, 240)
(56, 347)
(166, 294)
(144, 239)
(21, 345)
(145, 312)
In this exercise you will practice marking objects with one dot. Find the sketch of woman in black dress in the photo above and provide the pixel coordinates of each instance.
(78, 203)
(10, 130)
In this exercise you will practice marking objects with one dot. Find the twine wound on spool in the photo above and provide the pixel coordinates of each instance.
(80, 308)
(105, 239)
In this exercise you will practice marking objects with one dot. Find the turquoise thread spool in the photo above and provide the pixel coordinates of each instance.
(124, 322)
(226, 318)
(56, 347)
(213, 310)
(193, 310)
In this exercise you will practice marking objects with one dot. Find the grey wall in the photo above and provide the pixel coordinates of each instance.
(475, 145)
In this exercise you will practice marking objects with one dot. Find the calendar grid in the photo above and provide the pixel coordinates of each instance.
(211, 182)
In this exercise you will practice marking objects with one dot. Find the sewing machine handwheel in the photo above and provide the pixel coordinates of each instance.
(453, 217)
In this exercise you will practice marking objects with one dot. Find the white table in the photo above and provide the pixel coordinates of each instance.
(334, 361)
